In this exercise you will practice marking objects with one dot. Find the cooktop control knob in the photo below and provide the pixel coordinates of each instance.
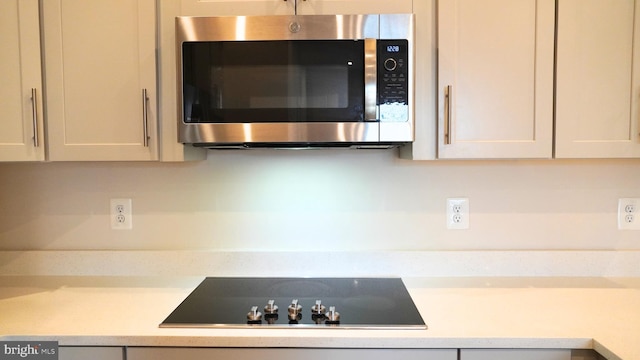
(254, 314)
(295, 310)
(318, 308)
(271, 308)
(332, 315)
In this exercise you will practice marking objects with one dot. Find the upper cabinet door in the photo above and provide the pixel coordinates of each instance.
(21, 127)
(286, 7)
(495, 78)
(329, 7)
(101, 86)
(232, 7)
(598, 79)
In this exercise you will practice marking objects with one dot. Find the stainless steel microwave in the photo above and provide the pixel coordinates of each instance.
(296, 81)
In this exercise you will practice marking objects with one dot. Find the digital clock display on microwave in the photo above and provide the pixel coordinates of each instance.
(393, 48)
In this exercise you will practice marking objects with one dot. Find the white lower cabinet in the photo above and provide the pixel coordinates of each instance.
(157, 353)
(90, 352)
(515, 354)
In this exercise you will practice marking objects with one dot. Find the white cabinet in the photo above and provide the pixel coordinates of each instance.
(99, 58)
(90, 352)
(515, 354)
(495, 78)
(598, 79)
(285, 7)
(142, 353)
(21, 127)
(355, 6)
(232, 7)
(100, 66)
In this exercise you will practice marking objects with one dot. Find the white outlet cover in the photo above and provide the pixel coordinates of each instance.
(457, 213)
(121, 214)
(629, 214)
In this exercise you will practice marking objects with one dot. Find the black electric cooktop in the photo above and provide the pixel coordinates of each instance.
(349, 303)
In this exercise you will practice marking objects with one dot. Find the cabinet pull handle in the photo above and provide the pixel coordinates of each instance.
(145, 118)
(447, 115)
(34, 116)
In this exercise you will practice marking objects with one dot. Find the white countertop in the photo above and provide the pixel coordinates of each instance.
(493, 312)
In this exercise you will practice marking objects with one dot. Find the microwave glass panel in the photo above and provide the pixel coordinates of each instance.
(273, 81)
(277, 86)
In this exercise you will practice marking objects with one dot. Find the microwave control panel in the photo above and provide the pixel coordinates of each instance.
(393, 79)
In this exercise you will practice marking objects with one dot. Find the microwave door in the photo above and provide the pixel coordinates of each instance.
(278, 81)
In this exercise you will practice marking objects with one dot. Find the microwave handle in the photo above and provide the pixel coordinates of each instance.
(370, 79)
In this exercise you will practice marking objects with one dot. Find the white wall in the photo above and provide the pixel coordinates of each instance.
(317, 200)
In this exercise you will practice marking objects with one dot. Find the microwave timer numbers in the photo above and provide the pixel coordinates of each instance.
(393, 48)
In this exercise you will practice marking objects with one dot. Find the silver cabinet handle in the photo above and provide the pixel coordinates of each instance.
(34, 116)
(145, 118)
(447, 115)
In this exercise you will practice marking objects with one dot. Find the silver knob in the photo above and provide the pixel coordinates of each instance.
(294, 309)
(318, 308)
(254, 314)
(271, 308)
(332, 315)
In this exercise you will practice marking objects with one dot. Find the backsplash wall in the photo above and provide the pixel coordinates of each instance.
(324, 200)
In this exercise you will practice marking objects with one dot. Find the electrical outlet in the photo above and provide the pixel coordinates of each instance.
(628, 216)
(121, 214)
(457, 213)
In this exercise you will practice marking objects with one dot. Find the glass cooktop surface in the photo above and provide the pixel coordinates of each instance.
(298, 302)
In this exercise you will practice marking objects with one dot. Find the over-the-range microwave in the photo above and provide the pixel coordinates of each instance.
(296, 81)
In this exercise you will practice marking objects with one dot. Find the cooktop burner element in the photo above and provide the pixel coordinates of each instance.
(348, 303)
